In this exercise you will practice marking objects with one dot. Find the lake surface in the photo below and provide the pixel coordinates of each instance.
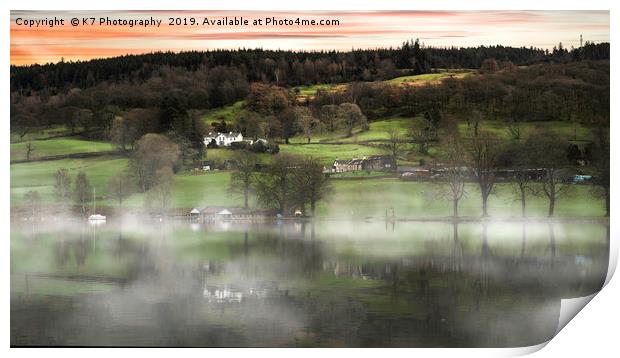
(293, 284)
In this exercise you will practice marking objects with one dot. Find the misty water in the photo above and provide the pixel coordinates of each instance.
(283, 284)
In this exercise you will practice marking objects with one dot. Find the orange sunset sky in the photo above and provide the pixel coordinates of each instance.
(367, 29)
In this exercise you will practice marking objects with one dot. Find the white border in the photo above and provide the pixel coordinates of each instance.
(592, 331)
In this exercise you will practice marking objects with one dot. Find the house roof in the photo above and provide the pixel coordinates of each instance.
(210, 210)
(216, 210)
(195, 211)
(230, 134)
(348, 161)
(227, 135)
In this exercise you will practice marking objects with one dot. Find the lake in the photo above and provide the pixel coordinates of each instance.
(299, 284)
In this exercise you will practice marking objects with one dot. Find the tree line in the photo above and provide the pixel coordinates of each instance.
(285, 184)
(287, 68)
(539, 165)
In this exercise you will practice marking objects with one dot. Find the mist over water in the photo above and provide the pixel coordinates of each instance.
(323, 283)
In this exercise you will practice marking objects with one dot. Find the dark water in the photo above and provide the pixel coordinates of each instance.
(332, 284)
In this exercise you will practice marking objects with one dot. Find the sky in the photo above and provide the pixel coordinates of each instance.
(362, 29)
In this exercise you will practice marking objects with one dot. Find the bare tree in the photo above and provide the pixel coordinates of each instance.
(122, 133)
(306, 122)
(395, 142)
(32, 200)
(489, 65)
(273, 186)
(153, 152)
(421, 133)
(84, 118)
(62, 186)
(288, 121)
(352, 116)
(515, 156)
(329, 116)
(483, 153)
(82, 190)
(242, 180)
(29, 149)
(22, 123)
(454, 170)
(522, 183)
(548, 151)
(120, 186)
(160, 194)
(310, 183)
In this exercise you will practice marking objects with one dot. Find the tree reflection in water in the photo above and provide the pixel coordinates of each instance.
(301, 284)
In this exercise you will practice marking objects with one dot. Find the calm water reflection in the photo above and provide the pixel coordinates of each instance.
(294, 284)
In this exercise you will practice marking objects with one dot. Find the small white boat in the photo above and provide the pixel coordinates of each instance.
(96, 217)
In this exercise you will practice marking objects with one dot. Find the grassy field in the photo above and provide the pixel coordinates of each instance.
(42, 134)
(210, 189)
(219, 155)
(378, 131)
(363, 198)
(190, 190)
(415, 80)
(312, 89)
(568, 130)
(429, 78)
(350, 198)
(304, 93)
(327, 153)
(226, 113)
(39, 176)
(58, 146)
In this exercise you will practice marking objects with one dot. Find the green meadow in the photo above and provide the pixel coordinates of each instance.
(226, 113)
(349, 198)
(429, 78)
(378, 131)
(311, 90)
(43, 133)
(39, 176)
(373, 197)
(58, 146)
(568, 130)
(327, 153)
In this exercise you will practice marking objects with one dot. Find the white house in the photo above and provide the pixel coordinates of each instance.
(223, 139)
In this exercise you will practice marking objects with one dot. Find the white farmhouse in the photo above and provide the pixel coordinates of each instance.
(223, 139)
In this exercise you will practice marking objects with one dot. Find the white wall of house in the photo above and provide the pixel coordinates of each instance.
(223, 139)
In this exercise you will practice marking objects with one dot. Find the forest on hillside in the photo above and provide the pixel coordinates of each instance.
(287, 68)
(556, 85)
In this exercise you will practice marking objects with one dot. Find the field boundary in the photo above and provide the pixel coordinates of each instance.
(68, 156)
